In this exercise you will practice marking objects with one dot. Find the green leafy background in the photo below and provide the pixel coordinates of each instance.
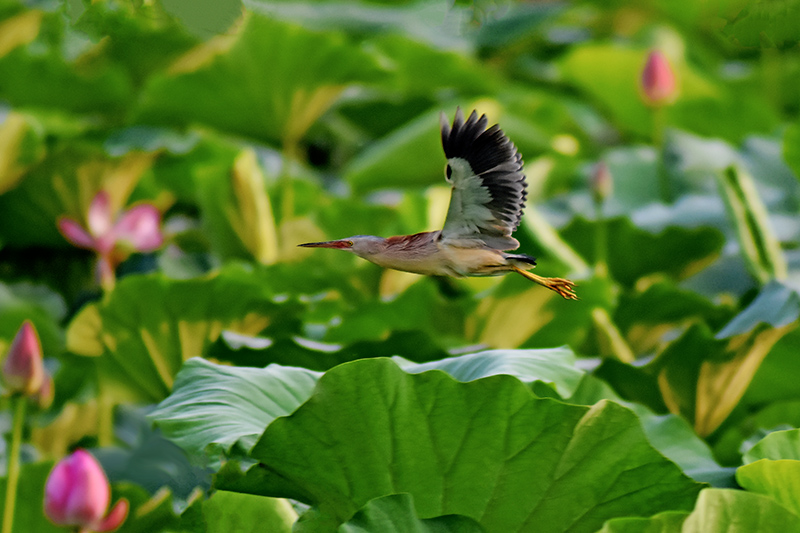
(231, 380)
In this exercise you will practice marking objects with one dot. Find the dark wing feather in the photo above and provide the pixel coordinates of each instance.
(488, 182)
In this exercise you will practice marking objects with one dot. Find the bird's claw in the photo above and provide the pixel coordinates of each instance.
(564, 287)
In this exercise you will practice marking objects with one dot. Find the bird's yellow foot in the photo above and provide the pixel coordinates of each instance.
(564, 287)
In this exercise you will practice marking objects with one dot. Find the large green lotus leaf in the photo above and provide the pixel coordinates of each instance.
(419, 69)
(37, 303)
(71, 72)
(211, 157)
(704, 378)
(759, 245)
(243, 350)
(674, 437)
(226, 406)
(736, 439)
(536, 121)
(678, 369)
(270, 80)
(237, 212)
(409, 156)
(777, 445)
(205, 18)
(736, 510)
(516, 23)
(142, 40)
(20, 26)
(777, 305)
(422, 20)
(151, 139)
(422, 306)
(670, 434)
(735, 113)
(227, 511)
(21, 146)
(223, 512)
(717, 511)
(774, 380)
(585, 325)
(645, 317)
(28, 510)
(791, 148)
(344, 278)
(553, 366)
(666, 522)
(761, 155)
(632, 382)
(487, 449)
(395, 514)
(634, 170)
(520, 313)
(634, 252)
(148, 513)
(693, 164)
(145, 329)
(765, 25)
(778, 479)
(143, 456)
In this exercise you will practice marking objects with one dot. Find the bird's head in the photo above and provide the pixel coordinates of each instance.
(361, 245)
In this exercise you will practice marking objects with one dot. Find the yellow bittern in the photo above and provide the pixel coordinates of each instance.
(488, 195)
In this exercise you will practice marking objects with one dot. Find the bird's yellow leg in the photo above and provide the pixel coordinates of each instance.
(563, 287)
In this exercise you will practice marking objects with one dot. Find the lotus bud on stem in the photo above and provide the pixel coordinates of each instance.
(77, 494)
(601, 185)
(24, 375)
(23, 368)
(659, 88)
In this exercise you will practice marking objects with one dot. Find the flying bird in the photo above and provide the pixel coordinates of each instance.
(488, 194)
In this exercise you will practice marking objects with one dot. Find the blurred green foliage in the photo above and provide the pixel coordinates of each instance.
(256, 125)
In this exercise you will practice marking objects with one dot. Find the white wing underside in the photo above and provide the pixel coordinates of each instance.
(488, 192)
(468, 216)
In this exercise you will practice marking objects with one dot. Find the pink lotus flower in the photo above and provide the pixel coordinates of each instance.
(658, 80)
(23, 369)
(77, 494)
(114, 237)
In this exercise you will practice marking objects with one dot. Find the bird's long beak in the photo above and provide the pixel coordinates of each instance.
(341, 244)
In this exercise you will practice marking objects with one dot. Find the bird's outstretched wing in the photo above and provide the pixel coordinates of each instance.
(488, 194)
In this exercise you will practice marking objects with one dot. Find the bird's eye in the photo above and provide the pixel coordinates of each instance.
(448, 171)
(350, 244)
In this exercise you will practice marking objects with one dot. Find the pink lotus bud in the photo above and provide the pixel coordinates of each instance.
(658, 80)
(601, 183)
(77, 494)
(23, 370)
